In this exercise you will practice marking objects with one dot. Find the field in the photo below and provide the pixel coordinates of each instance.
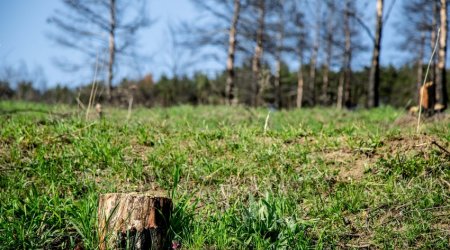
(315, 178)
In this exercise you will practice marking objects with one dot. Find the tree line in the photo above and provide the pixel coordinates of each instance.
(326, 36)
(201, 89)
(259, 42)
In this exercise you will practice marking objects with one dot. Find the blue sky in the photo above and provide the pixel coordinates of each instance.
(23, 41)
(23, 38)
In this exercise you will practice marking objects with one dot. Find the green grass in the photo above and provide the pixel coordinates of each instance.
(318, 178)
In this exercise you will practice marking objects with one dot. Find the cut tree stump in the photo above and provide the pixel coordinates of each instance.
(134, 220)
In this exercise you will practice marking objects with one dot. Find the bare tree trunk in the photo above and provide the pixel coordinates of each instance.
(312, 74)
(340, 91)
(300, 84)
(277, 80)
(347, 58)
(256, 63)
(325, 80)
(344, 98)
(431, 89)
(112, 47)
(313, 62)
(329, 54)
(420, 66)
(232, 98)
(374, 78)
(433, 40)
(300, 80)
(441, 81)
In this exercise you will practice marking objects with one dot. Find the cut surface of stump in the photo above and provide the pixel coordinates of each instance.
(134, 220)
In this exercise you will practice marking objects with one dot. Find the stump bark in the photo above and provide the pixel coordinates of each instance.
(134, 220)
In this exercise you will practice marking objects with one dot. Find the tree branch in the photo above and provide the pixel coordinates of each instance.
(388, 13)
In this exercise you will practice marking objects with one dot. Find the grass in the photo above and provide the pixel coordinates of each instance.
(317, 178)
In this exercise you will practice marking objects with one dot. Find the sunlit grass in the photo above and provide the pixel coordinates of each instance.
(318, 178)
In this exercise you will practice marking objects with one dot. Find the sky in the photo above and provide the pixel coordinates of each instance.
(24, 44)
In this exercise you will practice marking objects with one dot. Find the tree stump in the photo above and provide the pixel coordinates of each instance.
(134, 220)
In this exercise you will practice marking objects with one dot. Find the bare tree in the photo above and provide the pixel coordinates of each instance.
(441, 88)
(418, 30)
(259, 49)
(315, 53)
(344, 87)
(374, 77)
(297, 39)
(220, 34)
(329, 45)
(177, 60)
(300, 83)
(433, 36)
(347, 62)
(230, 89)
(278, 53)
(112, 45)
(349, 45)
(91, 27)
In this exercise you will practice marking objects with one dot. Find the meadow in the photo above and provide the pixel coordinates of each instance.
(316, 178)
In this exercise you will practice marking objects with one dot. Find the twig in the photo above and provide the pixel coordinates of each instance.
(363, 25)
(80, 103)
(130, 104)
(425, 80)
(95, 93)
(367, 245)
(93, 88)
(388, 13)
(96, 85)
(441, 148)
(421, 145)
(446, 182)
(266, 124)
